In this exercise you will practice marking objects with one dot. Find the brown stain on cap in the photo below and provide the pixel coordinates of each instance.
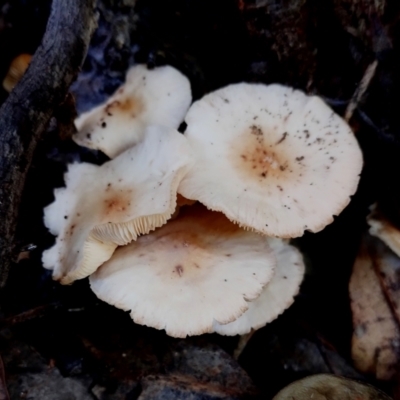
(257, 156)
(190, 245)
(116, 204)
(129, 106)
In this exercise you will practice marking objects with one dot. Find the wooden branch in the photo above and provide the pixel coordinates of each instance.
(27, 111)
(3, 385)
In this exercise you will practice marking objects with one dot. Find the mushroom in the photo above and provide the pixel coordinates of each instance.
(160, 96)
(271, 158)
(102, 207)
(276, 296)
(197, 268)
(329, 387)
(17, 69)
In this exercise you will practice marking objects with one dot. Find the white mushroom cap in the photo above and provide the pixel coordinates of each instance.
(159, 96)
(382, 228)
(102, 207)
(277, 295)
(198, 268)
(271, 158)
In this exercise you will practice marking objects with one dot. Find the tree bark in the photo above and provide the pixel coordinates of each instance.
(28, 109)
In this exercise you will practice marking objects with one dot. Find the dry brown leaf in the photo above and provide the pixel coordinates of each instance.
(376, 336)
(384, 229)
(387, 266)
(17, 69)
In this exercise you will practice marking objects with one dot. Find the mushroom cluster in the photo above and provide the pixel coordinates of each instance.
(256, 164)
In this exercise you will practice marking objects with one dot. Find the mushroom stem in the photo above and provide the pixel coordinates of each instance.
(28, 109)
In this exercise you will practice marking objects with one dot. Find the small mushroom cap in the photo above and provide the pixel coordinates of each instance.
(102, 207)
(198, 268)
(271, 158)
(17, 69)
(382, 228)
(329, 387)
(276, 296)
(160, 96)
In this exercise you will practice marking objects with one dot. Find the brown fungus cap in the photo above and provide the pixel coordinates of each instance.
(197, 269)
(277, 295)
(102, 207)
(271, 158)
(329, 387)
(160, 96)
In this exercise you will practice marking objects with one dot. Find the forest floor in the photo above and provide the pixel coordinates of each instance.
(61, 342)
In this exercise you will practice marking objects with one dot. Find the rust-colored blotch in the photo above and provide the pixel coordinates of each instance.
(17, 69)
(257, 158)
(129, 106)
(116, 202)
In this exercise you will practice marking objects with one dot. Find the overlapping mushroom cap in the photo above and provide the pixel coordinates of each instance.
(271, 158)
(159, 96)
(276, 296)
(198, 268)
(102, 207)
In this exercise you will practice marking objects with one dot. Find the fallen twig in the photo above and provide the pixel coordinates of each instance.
(31, 314)
(361, 89)
(28, 109)
(3, 386)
